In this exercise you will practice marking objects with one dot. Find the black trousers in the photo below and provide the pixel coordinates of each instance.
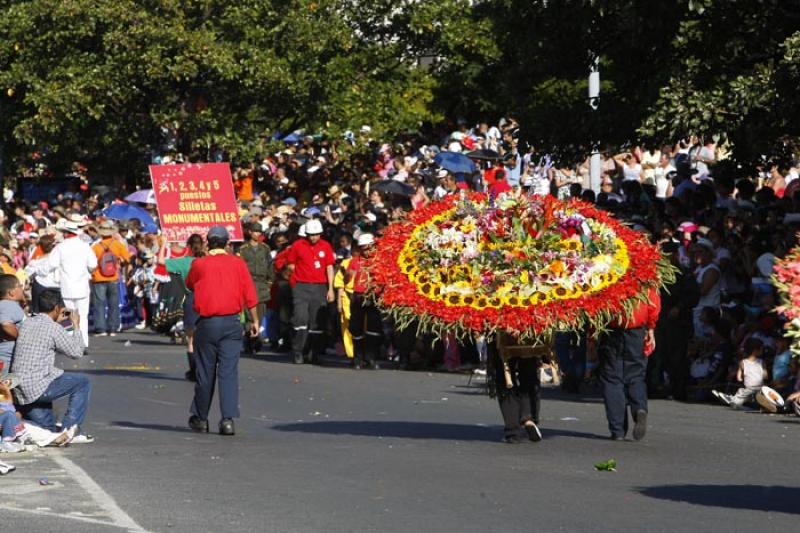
(310, 317)
(522, 401)
(366, 327)
(622, 374)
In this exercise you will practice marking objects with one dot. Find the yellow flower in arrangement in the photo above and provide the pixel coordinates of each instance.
(454, 299)
(572, 245)
(537, 298)
(524, 277)
(495, 301)
(512, 300)
(481, 302)
(468, 227)
(561, 293)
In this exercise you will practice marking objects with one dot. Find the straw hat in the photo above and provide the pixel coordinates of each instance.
(106, 228)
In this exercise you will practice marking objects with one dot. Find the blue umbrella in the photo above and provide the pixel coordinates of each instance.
(455, 162)
(127, 212)
(291, 138)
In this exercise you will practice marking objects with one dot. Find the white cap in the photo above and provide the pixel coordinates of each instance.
(302, 231)
(442, 173)
(366, 239)
(369, 215)
(313, 227)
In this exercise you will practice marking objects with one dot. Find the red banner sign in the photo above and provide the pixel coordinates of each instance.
(192, 198)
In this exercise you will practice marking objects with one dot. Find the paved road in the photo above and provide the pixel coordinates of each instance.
(329, 449)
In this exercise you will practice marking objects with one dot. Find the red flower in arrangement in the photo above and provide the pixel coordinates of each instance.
(409, 295)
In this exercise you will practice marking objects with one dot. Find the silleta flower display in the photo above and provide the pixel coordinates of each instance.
(524, 265)
(787, 279)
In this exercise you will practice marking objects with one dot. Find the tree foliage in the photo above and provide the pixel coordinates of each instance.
(106, 81)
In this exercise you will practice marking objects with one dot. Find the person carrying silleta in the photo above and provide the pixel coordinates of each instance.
(515, 380)
(623, 364)
(222, 288)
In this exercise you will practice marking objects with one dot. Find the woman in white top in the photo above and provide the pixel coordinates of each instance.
(631, 169)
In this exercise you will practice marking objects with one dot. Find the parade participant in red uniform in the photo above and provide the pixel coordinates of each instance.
(222, 288)
(311, 261)
(365, 319)
(623, 364)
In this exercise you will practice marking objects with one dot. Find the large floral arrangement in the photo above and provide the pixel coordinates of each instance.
(524, 265)
(787, 279)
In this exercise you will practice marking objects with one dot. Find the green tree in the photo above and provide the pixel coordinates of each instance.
(106, 81)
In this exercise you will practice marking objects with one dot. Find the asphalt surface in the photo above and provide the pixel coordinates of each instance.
(330, 449)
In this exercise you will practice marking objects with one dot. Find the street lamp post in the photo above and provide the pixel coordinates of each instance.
(594, 102)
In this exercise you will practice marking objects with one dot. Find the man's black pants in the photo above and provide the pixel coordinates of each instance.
(622, 374)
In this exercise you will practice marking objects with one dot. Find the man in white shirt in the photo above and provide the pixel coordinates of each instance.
(75, 261)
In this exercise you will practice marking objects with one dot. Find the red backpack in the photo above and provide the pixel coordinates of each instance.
(108, 263)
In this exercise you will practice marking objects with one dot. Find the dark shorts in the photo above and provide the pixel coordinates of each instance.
(190, 316)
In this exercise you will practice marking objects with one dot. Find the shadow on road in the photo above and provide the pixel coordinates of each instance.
(754, 497)
(155, 427)
(127, 374)
(416, 430)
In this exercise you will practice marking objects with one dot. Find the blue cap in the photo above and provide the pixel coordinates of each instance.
(290, 201)
(219, 232)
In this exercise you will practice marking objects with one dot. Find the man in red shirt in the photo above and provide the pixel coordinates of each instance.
(311, 262)
(366, 325)
(623, 365)
(222, 288)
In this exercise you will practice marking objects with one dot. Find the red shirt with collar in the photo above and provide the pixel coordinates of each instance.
(221, 284)
(310, 260)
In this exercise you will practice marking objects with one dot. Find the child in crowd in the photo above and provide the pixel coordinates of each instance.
(10, 424)
(143, 284)
(781, 372)
(751, 372)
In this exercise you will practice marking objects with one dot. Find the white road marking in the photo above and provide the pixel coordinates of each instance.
(51, 514)
(119, 517)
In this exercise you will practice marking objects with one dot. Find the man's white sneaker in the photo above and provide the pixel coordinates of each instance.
(140, 325)
(112, 334)
(11, 447)
(5, 468)
(101, 334)
(79, 438)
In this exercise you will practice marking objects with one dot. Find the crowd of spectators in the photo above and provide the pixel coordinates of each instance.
(722, 228)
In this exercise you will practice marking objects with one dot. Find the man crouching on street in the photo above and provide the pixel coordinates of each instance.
(40, 338)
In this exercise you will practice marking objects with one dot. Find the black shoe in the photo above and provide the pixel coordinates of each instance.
(201, 426)
(298, 359)
(617, 437)
(226, 427)
(357, 364)
(533, 432)
(511, 439)
(640, 427)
